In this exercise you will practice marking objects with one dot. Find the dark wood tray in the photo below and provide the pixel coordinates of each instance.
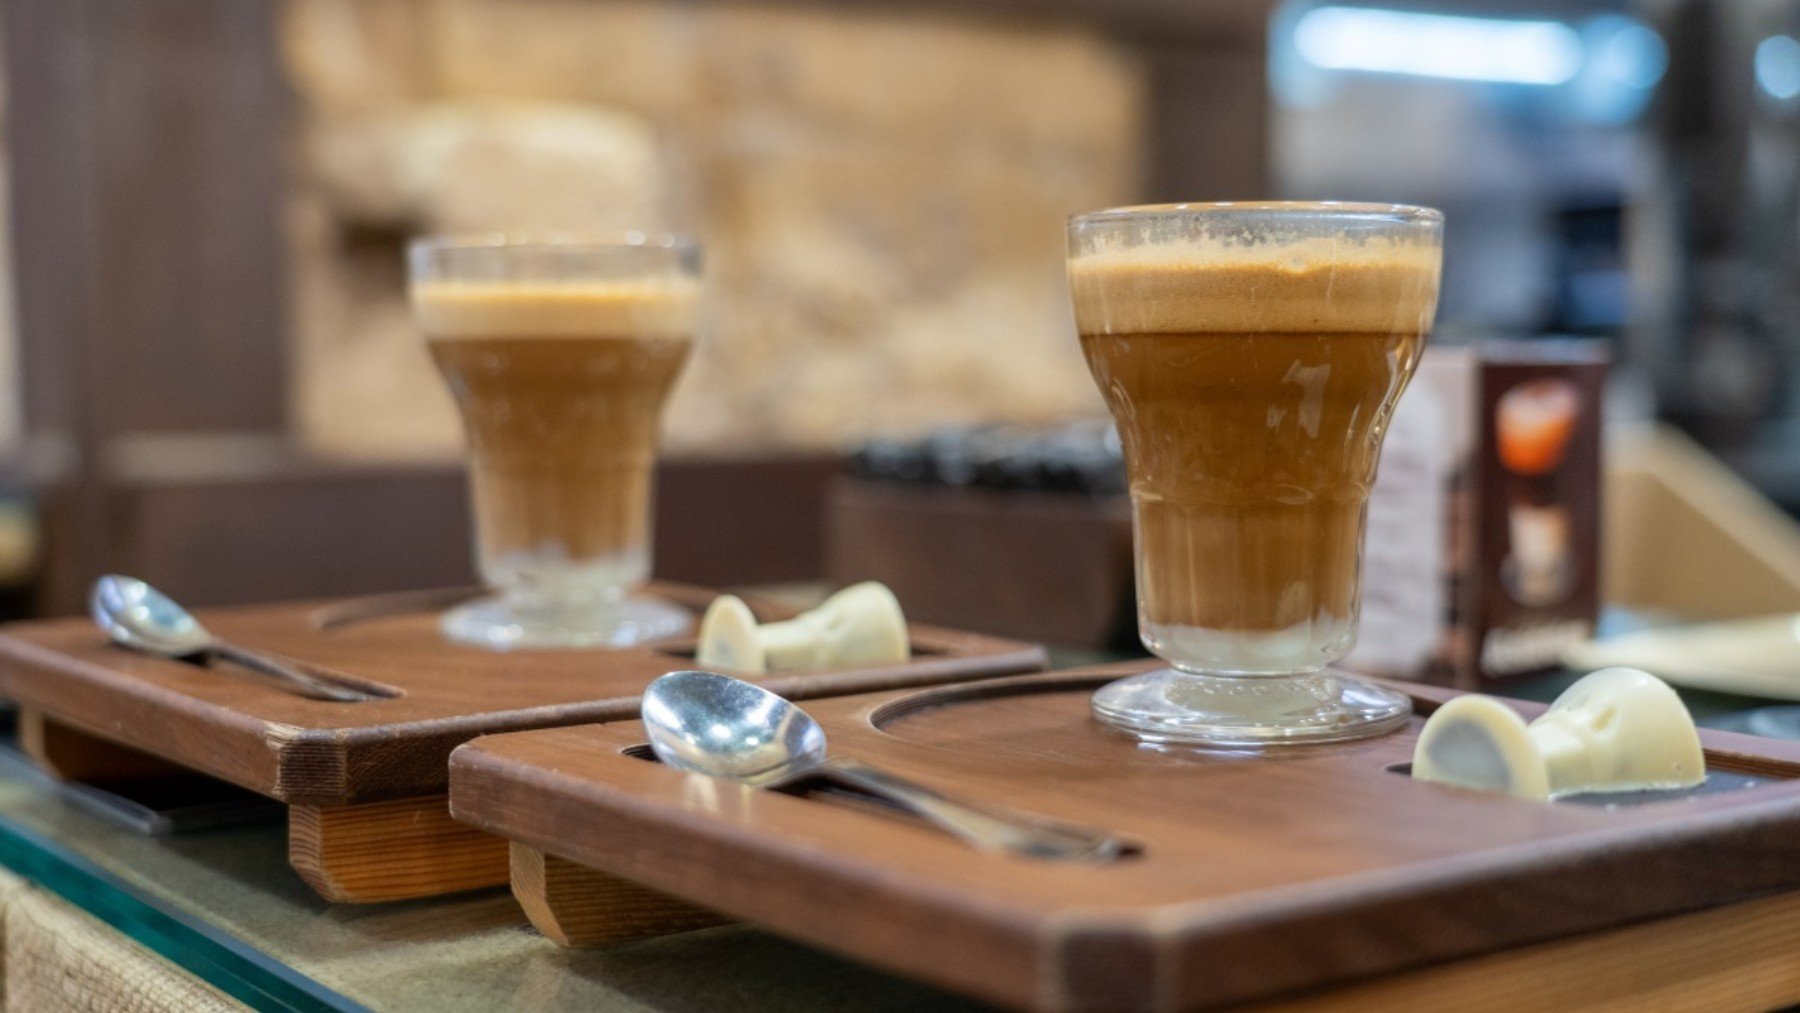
(1258, 875)
(368, 766)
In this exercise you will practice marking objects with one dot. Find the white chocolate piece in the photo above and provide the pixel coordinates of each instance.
(1479, 742)
(800, 644)
(1618, 729)
(860, 626)
(728, 637)
(865, 625)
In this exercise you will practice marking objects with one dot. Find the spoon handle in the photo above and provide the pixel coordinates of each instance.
(988, 829)
(302, 682)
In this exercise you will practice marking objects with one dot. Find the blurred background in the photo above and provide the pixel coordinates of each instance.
(209, 378)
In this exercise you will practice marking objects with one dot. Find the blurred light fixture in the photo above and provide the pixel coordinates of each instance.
(1624, 61)
(1438, 45)
(1624, 52)
(1778, 66)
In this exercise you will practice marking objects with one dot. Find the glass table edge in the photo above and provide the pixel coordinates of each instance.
(240, 971)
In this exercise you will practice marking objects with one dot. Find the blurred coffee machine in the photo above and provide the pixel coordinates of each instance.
(1519, 119)
(1714, 236)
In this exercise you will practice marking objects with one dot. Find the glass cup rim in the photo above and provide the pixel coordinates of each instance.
(574, 242)
(1397, 214)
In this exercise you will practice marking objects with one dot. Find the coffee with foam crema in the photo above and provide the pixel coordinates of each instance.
(561, 386)
(1251, 385)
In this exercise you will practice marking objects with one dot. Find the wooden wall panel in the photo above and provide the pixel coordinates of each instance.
(187, 118)
(46, 60)
(146, 150)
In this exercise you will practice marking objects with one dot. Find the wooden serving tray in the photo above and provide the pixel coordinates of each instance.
(365, 781)
(1258, 875)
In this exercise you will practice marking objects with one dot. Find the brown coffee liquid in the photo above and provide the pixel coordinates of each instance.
(1251, 459)
(561, 402)
(1251, 428)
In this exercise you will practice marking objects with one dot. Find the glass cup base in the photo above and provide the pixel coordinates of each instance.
(500, 624)
(1249, 712)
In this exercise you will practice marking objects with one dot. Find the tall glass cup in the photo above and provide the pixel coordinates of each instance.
(1252, 355)
(560, 352)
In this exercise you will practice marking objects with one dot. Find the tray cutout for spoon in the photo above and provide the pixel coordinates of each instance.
(800, 789)
(377, 690)
(812, 788)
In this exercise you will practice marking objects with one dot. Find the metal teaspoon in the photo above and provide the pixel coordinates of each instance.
(712, 724)
(140, 617)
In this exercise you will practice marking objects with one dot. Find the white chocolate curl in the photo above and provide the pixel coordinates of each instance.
(1618, 729)
(858, 627)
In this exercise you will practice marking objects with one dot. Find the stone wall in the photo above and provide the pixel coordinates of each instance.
(881, 196)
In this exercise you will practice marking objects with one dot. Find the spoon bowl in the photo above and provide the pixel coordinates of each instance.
(144, 619)
(711, 724)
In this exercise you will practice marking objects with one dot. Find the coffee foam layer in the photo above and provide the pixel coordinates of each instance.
(1317, 286)
(468, 310)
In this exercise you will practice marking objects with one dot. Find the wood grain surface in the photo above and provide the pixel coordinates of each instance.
(393, 850)
(73, 755)
(321, 753)
(1260, 874)
(1734, 959)
(578, 906)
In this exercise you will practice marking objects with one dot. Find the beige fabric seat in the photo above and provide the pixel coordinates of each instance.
(59, 959)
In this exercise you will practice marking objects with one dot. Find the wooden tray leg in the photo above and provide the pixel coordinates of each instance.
(578, 906)
(70, 754)
(382, 851)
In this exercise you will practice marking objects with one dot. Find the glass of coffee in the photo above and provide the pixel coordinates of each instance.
(1251, 355)
(560, 353)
